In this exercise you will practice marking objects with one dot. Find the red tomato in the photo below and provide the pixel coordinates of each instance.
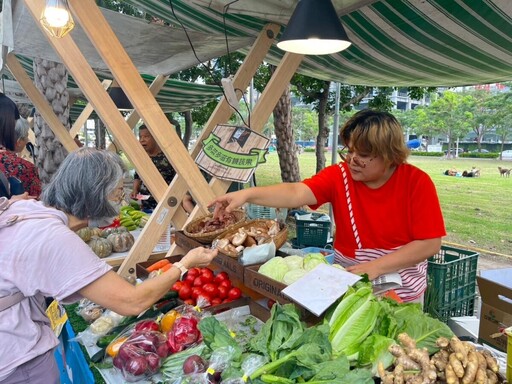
(270, 303)
(234, 293)
(225, 283)
(196, 291)
(203, 300)
(194, 271)
(207, 275)
(190, 302)
(216, 301)
(223, 291)
(189, 279)
(177, 285)
(198, 282)
(184, 292)
(211, 290)
(220, 277)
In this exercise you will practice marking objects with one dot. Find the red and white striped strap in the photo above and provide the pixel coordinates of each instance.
(350, 209)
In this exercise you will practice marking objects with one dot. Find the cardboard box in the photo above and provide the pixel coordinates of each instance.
(265, 285)
(496, 291)
(140, 268)
(465, 327)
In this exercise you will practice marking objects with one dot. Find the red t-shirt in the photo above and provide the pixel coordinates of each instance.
(373, 222)
(13, 165)
(404, 209)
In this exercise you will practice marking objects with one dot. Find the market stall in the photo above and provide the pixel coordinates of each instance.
(247, 276)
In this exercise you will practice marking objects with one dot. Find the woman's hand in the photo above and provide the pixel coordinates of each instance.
(369, 267)
(228, 203)
(199, 257)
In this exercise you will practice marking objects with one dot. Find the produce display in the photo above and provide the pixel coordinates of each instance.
(254, 233)
(131, 217)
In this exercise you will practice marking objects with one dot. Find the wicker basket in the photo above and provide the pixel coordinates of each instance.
(279, 239)
(208, 237)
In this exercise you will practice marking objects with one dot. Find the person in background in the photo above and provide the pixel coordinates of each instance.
(451, 172)
(164, 167)
(11, 164)
(41, 255)
(387, 213)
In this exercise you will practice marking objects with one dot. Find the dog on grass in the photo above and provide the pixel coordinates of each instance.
(504, 172)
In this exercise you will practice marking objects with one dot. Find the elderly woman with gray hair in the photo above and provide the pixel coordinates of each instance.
(40, 255)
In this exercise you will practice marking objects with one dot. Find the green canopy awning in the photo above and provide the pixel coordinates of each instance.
(395, 42)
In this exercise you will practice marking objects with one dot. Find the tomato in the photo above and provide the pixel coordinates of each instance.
(216, 301)
(189, 279)
(220, 277)
(225, 283)
(270, 303)
(198, 281)
(207, 275)
(211, 290)
(185, 292)
(203, 300)
(190, 302)
(196, 291)
(193, 271)
(234, 293)
(223, 291)
(177, 285)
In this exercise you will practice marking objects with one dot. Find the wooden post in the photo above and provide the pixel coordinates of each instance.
(40, 103)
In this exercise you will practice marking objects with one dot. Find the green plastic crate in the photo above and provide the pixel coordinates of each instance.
(312, 233)
(451, 283)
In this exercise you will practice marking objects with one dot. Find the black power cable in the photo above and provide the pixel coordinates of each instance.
(206, 67)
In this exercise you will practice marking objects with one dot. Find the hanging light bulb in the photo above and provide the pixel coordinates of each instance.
(56, 18)
(314, 29)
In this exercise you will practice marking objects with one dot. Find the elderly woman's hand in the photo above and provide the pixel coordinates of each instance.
(199, 257)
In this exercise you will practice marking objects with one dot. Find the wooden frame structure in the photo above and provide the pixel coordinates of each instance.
(169, 209)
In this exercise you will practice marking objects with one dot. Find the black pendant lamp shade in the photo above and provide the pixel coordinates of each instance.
(120, 99)
(314, 29)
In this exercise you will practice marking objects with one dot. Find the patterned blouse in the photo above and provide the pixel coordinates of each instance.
(25, 171)
(166, 170)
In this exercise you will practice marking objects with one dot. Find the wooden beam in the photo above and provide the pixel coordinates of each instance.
(86, 113)
(113, 54)
(88, 82)
(40, 103)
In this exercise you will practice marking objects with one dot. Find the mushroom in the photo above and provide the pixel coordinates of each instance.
(239, 238)
(274, 230)
(220, 244)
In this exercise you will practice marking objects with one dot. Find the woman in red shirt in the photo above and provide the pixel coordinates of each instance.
(387, 213)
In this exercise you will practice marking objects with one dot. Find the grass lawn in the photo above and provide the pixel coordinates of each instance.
(477, 211)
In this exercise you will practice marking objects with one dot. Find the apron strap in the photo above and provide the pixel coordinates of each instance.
(350, 209)
(9, 301)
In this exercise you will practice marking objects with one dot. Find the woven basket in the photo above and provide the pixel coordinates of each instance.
(208, 237)
(279, 239)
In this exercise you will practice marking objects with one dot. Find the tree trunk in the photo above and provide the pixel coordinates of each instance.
(288, 161)
(99, 132)
(51, 80)
(188, 128)
(323, 129)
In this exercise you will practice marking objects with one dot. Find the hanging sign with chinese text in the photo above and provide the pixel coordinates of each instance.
(232, 153)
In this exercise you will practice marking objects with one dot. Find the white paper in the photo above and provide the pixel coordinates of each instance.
(384, 283)
(318, 289)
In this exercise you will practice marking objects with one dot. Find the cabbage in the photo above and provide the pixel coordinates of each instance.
(311, 260)
(293, 275)
(294, 262)
(275, 268)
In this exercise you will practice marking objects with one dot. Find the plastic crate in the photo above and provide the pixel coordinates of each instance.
(312, 233)
(260, 212)
(329, 253)
(71, 361)
(451, 283)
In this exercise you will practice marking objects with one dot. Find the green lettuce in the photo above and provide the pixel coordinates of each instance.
(275, 268)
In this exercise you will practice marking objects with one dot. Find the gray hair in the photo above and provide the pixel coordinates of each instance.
(22, 127)
(83, 183)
